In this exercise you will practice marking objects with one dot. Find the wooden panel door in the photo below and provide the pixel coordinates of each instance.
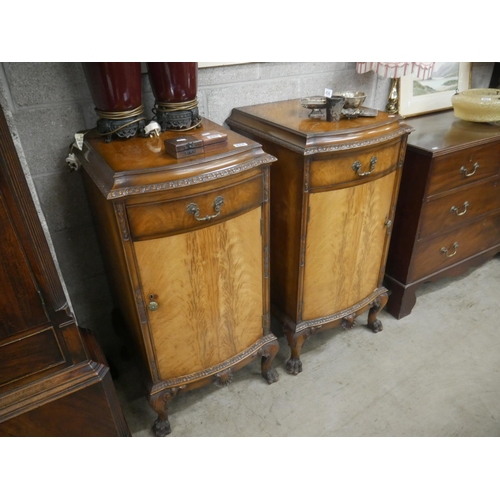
(345, 245)
(53, 377)
(21, 306)
(208, 285)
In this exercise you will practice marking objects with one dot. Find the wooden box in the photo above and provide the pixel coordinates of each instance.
(196, 143)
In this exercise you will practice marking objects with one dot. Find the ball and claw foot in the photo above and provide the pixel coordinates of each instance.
(161, 428)
(376, 326)
(294, 366)
(348, 322)
(271, 376)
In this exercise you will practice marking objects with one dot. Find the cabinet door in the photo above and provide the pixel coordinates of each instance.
(208, 285)
(21, 305)
(345, 245)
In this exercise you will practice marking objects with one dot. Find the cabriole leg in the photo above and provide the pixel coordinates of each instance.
(377, 305)
(268, 353)
(295, 341)
(159, 402)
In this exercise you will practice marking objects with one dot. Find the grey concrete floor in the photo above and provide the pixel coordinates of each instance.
(434, 373)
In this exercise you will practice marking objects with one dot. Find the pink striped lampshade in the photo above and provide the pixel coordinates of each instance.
(421, 70)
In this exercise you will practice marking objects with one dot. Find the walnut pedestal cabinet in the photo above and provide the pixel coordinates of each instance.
(333, 196)
(54, 379)
(448, 213)
(186, 244)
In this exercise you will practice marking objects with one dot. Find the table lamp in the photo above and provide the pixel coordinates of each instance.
(396, 70)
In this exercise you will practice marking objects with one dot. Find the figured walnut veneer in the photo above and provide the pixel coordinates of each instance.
(186, 245)
(344, 254)
(333, 196)
(210, 296)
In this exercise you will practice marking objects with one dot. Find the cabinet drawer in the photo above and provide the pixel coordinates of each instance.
(443, 251)
(443, 213)
(153, 220)
(354, 166)
(462, 168)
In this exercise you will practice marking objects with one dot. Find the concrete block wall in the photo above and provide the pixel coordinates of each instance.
(46, 103)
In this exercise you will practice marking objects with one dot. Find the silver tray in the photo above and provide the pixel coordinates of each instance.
(315, 102)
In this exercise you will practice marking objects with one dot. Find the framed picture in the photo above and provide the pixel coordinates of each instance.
(418, 96)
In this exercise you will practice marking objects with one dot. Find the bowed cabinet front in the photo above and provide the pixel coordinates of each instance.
(333, 197)
(186, 245)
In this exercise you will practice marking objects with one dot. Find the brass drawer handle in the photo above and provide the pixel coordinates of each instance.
(455, 209)
(193, 209)
(446, 250)
(464, 172)
(356, 166)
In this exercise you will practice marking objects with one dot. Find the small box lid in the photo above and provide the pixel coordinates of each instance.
(183, 143)
(212, 137)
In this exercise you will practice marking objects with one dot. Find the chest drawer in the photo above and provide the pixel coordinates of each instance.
(443, 213)
(153, 220)
(451, 248)
(353, 166)
(463, 167)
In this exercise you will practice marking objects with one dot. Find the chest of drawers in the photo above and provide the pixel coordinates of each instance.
(448, 212)
(186, 244)
(333, 196)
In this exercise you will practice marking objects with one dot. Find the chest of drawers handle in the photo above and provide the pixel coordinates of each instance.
(446, 250)
(356, 166)
(193, 209)
(456, 212)
(464, 172)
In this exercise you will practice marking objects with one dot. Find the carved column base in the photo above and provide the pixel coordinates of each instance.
(123, 129)
(177, 120)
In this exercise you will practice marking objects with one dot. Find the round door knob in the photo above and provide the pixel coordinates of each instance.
(153, 306)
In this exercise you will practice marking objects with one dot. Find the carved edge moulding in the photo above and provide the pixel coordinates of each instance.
(286, 134)
(126, 195)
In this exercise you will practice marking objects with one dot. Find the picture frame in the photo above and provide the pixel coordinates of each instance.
(417, 97)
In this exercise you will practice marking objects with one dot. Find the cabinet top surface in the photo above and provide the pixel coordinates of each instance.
(290, 122)
(138, 165)
(440, 133)
(140, 153)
